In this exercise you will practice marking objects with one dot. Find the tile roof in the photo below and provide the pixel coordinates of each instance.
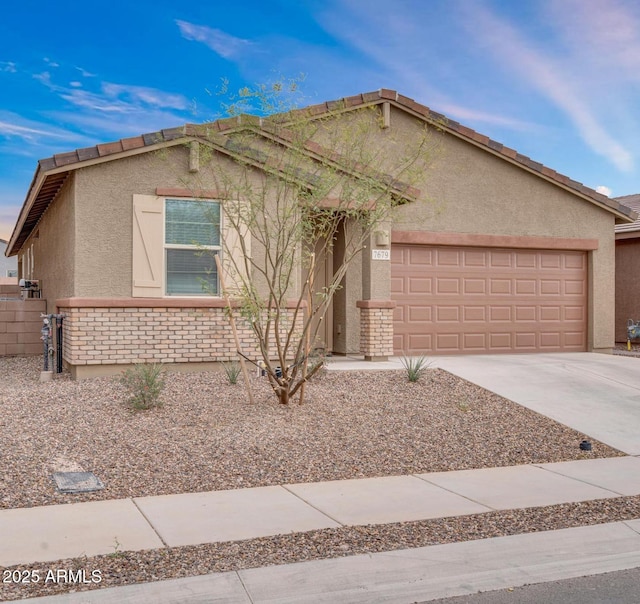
(633, 202)
(50, 173)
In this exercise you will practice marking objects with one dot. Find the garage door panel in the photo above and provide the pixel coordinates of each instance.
(475, 342)
(448, 342)
(550, 313)
(421, 256)
(550, 260)
(397, 285)
(526, 260)
(574, 288)
(420, 342)
(499, 313)
(474, 300)
(574, 313)
(526, 340)
(575, 260)
(474, 286)
(500, 341)
(575, 340)
(550, 287)
(418, 285)
(448, 314)
(525, 287)
(418, 314)
(551, 340)
(474, 313)
(500, 258)
(477, 258)
(448, 256)
(447, 286)
(500, 287)
(525, 313)
(399, 314)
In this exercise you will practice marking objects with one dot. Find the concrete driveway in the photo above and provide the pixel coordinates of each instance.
(596, 394)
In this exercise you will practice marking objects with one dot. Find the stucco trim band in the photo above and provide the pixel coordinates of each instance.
(156, 303)
(196, 193)
(506, 241)
(376, 303)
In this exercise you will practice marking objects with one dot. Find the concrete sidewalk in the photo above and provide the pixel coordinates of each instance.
(50, 533)
(402, 576)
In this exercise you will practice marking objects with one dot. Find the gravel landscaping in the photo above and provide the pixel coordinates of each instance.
(207, 436)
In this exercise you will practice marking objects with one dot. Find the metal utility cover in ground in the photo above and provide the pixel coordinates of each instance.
(77, 482)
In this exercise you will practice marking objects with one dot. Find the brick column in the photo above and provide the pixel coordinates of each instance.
(376, 329)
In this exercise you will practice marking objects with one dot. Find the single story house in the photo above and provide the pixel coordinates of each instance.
(490, 251)
(627, 269)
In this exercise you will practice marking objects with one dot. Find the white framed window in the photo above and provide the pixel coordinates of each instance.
(173, 244)
(192, 237)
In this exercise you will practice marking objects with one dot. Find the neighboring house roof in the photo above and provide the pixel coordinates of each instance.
(52, 172)
(633, 202)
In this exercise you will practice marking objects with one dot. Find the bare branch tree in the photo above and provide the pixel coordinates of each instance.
(289, 183)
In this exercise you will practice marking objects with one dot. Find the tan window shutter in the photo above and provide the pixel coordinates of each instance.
(148, 229)
(234, 272)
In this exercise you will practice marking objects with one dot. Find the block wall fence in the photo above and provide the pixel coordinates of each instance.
(20, 322)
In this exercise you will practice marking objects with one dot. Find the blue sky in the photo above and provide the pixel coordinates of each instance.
(558, 80)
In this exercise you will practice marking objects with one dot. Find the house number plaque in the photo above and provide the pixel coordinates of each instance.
(380, 254)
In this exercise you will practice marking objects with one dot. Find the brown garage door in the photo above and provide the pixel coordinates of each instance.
(486, 300)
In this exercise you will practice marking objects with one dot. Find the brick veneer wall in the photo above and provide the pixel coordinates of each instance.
(20, 323)
(376, 329)
(118, 333)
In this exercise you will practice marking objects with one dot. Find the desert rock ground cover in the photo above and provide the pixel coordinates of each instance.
(207, 436)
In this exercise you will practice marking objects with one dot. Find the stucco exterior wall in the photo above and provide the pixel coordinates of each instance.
(627, 285)
(53, 245)
(105, 211)
(467, 189)
(104, 245)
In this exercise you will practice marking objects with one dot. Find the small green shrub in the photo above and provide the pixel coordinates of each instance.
(145, 382)
(415, 367)
(233, 371)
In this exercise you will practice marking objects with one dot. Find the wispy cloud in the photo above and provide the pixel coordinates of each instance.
(467, 114)
(549, 77)
(118, 98)
(114, 98)
(413, 56)
(8, 67)
(92, 111)
(611, 29)
(84, 73)
(224, 44)
(144, 95)
(13, 125)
